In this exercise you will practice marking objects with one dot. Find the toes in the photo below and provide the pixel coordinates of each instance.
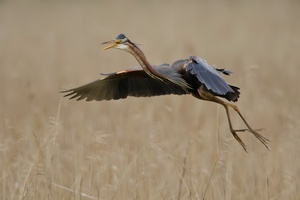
(262, 139)
(239, 139)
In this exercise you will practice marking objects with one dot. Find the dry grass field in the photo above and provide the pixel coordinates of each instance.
(170, 147)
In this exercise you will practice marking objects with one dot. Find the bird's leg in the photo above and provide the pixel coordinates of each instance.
(261, 138)
(234, 131)
(205, 95)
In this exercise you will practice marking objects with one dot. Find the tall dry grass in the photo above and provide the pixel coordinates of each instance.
(153, 148)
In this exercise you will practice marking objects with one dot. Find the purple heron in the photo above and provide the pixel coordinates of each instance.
(188, 76)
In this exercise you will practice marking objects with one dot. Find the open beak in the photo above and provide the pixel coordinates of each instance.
(112, 44)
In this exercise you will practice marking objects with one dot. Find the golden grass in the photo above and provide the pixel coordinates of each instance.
(153, 148)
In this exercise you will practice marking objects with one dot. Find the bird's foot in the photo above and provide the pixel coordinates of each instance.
(234, 133)
(261, 138)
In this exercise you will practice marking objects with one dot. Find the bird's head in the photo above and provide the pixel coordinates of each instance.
(121, 42)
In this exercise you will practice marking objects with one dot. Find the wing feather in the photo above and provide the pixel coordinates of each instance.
(119, 85)
(208, 76)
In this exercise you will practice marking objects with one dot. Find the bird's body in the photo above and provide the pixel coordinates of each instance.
(188, 76)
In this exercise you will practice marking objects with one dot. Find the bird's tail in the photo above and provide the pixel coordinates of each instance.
(233, 96)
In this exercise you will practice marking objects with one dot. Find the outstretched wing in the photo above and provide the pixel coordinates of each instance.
(119, 85)
(211, 78)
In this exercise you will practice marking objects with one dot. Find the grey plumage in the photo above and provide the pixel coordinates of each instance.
(210, 77)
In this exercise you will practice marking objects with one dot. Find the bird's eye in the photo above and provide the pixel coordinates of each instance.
(121, 38)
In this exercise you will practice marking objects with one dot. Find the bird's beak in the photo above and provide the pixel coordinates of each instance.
(113, 43)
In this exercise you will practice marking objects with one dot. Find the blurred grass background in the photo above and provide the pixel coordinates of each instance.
(147, 148)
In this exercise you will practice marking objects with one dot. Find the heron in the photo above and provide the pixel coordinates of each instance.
(186, 76)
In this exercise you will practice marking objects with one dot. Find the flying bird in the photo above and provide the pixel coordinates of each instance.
(187, 76)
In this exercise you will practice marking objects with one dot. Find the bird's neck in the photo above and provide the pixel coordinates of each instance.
(141, 58)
